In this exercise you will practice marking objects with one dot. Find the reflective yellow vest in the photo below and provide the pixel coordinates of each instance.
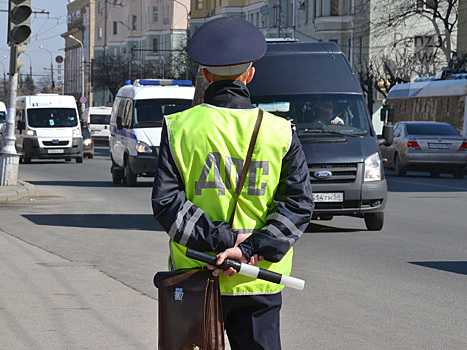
(209, 145)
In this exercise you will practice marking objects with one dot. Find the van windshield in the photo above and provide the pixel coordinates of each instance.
(317, 114)
(100, 119)
(149, 113)
(52, 117)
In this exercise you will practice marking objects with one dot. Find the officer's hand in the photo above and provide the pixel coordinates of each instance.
(255, 259)
(231, 253)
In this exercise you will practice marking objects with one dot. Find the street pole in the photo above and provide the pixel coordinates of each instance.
(131, 49)
(83, 105)
(8, 155)
(51, 67)
(187, 35)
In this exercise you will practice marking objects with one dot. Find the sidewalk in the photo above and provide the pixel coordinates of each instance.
(50, 303)
(13, 193)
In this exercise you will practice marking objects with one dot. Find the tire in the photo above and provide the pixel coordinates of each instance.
(26, 158)
(435, 173)
(117, 174)
(326, 217)
(374, 221)
(79, 159)
(459, 174)
(68, 159)
(398, 168)
(129, 176)
(90, 156)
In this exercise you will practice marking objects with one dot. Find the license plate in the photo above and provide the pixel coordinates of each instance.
(59, 150)
(328, 197)
(439, 145)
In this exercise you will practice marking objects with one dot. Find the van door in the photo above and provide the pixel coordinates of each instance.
(117, 145)
(128, 142)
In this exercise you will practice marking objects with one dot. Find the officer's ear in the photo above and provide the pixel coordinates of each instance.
(251, 74)
(208, 76)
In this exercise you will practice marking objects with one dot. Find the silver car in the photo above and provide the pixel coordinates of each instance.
(426, 146)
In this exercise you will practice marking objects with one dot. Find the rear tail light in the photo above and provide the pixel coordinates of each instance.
(463, 146)
(412, 144)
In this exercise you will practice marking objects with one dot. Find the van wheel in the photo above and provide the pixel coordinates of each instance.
(117, 174)
(398, 168)
(26, 158)
(374, 221)
(79, 159)
(130, 177)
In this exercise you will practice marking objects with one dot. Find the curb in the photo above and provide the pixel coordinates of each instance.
(13, 193)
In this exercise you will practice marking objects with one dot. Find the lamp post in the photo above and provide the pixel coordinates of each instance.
(4, 77)
(83, 105)
(187, 34)
(51, 67)
(131, 49)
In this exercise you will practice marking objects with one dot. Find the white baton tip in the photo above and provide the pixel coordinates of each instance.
(292, 282)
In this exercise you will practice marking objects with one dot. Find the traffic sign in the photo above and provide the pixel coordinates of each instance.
(82, 99)
(59, 59)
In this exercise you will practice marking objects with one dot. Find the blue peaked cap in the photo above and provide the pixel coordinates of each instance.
(227, 41)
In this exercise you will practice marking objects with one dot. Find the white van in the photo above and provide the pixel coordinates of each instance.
(136, 125)
(48, 128)
(98, 119)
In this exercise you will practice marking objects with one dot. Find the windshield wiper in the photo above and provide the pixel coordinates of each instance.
(321, 131)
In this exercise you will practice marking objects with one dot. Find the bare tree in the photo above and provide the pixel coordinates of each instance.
(110, 72)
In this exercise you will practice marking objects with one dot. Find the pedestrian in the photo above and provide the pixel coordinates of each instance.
(201, 157)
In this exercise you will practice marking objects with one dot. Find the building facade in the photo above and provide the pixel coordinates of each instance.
(146, 34)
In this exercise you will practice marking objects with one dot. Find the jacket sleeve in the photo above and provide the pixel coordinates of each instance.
(184, 222)
(291, 211)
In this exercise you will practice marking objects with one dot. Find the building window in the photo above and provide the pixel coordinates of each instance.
(155, 14)
(99, 33)
(134, 22)
(199, 4)
(154, 45)
(426, 4)
(334, 7)
(115, 28)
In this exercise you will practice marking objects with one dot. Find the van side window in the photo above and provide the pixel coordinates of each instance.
(127, 115)
(121, 106)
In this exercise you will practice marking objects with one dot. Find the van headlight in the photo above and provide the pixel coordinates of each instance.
(76, 132)
(31, 132)
(142, 147)
(372, 168)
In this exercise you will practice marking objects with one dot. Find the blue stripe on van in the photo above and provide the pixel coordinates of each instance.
(123, 132)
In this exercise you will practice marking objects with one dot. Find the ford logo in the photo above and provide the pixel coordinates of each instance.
(323, 174)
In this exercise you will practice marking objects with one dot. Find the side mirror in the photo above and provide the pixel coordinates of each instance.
(383, 113)
(119, 123)
(390, 116)
(388, 136)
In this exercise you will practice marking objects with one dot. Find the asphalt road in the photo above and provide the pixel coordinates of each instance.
(404, 287)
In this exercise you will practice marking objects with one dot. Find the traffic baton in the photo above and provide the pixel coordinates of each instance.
(248, 270)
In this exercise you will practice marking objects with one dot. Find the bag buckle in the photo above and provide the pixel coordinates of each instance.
(178, 294)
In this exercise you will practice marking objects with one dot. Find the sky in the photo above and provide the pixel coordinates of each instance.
(46, 30)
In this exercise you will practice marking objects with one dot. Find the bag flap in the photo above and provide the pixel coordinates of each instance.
(194, 280)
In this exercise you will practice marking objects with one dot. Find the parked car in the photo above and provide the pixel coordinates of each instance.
(426, 146)
(88, 142)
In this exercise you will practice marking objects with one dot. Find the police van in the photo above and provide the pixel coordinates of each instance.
(136, 125)
(98, 120)
(48, 127)
(3, 114)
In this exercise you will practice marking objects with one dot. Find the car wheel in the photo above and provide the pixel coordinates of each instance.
(459, 174)
(79, 159)
(398, 168)
(435, 173)
(90, 156)
(374, 221)
(117, 175)
(326, 217)
(130, 177)
(67, 159)
(26, 158)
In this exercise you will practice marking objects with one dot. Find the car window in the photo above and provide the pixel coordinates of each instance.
(431, 129)
(397, 130)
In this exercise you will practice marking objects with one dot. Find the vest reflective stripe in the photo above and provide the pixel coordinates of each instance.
(209, 146)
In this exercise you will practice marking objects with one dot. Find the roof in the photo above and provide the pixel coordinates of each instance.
(304, 68)
(148, 92)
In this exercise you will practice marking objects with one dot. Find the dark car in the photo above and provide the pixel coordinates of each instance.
(88, 143)
(427, 146)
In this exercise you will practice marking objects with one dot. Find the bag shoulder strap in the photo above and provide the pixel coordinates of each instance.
(247, 163)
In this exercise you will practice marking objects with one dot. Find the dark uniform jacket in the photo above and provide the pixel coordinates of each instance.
(293, 199)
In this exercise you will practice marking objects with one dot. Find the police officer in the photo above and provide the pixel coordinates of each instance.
(201, 157)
